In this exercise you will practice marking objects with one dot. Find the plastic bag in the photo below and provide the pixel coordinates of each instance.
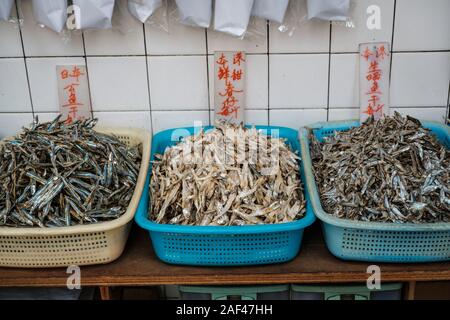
(295, 16)
(232, 16)
(195, 13)
(50, 13)
(330, 10)
(5, 9)
(270, 9)
(94, 14)
(143, 9)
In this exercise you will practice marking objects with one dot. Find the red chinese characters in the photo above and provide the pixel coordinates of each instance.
(71, 89)
(373, 76)
(230, 74)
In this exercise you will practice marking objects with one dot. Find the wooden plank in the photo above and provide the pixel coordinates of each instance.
(411, 290)
(139, 266)
(105, 293)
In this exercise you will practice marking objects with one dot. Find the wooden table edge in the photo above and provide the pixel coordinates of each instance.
(248, 279)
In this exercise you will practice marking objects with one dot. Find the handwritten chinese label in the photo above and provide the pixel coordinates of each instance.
(229, 86)
(73, 92)
(374, 64)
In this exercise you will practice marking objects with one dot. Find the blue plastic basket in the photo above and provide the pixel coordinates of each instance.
(374, 241)
(227, 245)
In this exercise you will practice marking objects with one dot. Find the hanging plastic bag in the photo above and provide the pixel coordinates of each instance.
(143, 9)
(5, 9)
(122, 21)
(330, 10)
(195, 13)
(94, 14)
(296, 15)
(232, 16)
(270, 9)
(50, 13)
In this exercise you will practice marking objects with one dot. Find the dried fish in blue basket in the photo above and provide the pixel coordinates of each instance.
(229, 176)
(55, 174)
(392, 170)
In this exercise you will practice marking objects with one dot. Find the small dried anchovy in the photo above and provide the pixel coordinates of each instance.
(55, 174)
(391, 170)
(213, 179)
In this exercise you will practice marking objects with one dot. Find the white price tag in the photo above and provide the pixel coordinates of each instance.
(73, 93)
(374, 69)
(229, 86)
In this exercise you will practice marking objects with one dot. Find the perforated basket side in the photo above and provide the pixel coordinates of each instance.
(63, 250)
(387, 246)
(226, 249)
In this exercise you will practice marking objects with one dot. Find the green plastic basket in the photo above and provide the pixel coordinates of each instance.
(391, 291)
(278, 292)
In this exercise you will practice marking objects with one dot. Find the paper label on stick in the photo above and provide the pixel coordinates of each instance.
(374, 68)
(73, 93)
(229, 86)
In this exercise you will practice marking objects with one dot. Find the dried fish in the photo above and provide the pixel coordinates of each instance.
(228, 176)
(391, 170)
(58, 174)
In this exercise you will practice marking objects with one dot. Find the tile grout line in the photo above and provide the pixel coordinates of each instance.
(268, 73)
(252, 109)
(392, 44)
(25, 61)
(201, 55)
(87, 75)
(207, 78)
(448, 106)
(147, 68)
(329, 72)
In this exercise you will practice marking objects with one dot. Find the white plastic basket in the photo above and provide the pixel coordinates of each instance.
(83, 244)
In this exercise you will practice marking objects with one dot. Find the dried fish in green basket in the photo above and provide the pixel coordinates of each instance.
(391, 170)
(55, 174)
(215, 179)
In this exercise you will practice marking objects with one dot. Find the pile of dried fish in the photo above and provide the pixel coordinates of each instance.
(392, 170)
(55, 174)
(217, 178)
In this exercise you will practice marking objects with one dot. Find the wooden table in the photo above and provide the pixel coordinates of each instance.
(138, 266)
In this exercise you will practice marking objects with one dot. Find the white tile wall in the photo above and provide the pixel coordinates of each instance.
(115, 42)
(422, 25)
(131, 119)
(344, 79)
(178, 82)
(310, 76)
(180, 39)
(296, 118)
(162, 120)
(312, 36)
(11, 123)
(43, 81)
(252, 117)
(118, 83)
(257, 43)
(10, 43)
(39, 41)
(420, 79)
(14, 94)
(343, 114)
(298, 80)
(345, 39)
(257, 71)
(432, 114)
